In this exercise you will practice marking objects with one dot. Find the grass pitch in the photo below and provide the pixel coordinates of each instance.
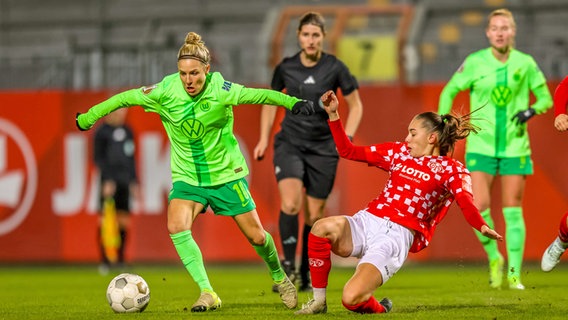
(418, 291)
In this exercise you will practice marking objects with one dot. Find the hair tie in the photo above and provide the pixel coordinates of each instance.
(191, 56)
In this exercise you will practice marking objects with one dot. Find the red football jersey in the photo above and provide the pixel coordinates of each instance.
(419, 191)
(561, 98)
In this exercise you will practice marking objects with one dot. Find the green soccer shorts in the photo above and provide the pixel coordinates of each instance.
(229, 199)
(502, 166)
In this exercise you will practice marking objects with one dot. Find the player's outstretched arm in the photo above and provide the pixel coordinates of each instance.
(470, 211)
(77, 122)
(304, 107)
(490, 233)
(330, 103)
(561, 106)
(561, 122)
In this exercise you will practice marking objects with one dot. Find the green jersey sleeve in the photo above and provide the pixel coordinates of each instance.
(235, 94)
(538, 86)
(266, 96)
(147, 97)
(460, 81)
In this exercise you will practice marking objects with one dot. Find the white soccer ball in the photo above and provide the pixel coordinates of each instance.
(128, 292)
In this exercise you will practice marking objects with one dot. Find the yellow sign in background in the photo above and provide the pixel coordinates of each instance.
(370, 57)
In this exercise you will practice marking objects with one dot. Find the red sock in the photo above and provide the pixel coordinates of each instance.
(369, 306)
(563, 234)
(319, 253)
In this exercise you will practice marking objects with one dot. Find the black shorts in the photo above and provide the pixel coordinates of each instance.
(315, 163)
(121, 198)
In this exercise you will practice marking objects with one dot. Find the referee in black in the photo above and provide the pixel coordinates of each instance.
(305, 158)
(114, 157)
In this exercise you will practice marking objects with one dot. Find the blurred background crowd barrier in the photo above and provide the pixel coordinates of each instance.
(60, 58)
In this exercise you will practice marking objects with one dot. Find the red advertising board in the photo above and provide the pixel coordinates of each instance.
(48, 184)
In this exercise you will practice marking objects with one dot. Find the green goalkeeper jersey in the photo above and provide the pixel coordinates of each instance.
(502, 90)
(204, 150)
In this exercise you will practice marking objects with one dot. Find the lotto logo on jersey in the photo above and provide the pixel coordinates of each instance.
(411, 172)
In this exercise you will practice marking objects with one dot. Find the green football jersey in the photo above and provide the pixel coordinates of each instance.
(204, 150)
(501, 90)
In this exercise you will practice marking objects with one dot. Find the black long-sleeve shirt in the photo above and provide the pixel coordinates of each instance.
(114, 153)
(310, 83)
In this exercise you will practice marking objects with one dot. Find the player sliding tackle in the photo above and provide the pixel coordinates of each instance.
(422, 185)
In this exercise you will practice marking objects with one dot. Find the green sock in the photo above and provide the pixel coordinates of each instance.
(489, 245)
(269, 254)
(190, 255)
(515, 235)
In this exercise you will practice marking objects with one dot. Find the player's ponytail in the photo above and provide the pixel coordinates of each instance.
(450, 128)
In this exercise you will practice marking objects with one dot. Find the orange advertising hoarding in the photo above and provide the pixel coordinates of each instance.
(48, 184)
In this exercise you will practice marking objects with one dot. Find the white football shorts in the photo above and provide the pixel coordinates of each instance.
(380, 242)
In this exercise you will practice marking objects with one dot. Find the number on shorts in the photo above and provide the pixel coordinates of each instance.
(242, 191)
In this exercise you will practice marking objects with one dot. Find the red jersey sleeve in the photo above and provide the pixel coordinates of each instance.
(561, 98)
(345, 148)
(469, 210)
(460, 185)
(379, 155)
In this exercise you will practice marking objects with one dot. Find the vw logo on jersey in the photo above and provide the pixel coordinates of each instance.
(192, 128)
(501, 96)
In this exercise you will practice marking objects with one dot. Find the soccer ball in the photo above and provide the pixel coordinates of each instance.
(128, 292)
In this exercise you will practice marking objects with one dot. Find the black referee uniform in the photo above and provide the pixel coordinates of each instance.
(304, 147)
(114, 156)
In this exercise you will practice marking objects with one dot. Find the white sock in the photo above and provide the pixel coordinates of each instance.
(319, 294)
